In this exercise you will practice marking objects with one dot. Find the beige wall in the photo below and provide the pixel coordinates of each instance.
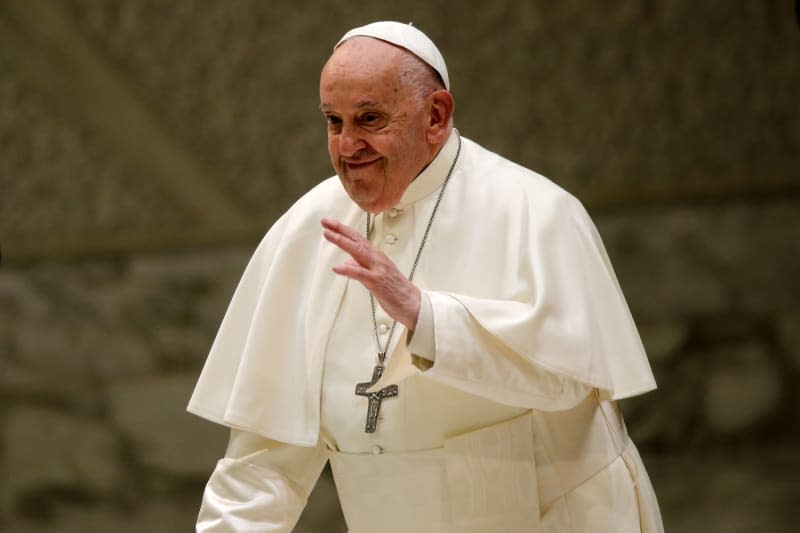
(146, 145)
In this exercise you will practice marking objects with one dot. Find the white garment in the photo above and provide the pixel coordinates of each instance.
(425, 412)
(586, 476)
(528, 324)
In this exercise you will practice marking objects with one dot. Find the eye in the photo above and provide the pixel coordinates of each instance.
(372, 120)
(334, 122)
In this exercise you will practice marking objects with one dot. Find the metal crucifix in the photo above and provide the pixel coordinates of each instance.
(375, 398)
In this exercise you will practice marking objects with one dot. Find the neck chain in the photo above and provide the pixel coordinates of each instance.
(382, 349)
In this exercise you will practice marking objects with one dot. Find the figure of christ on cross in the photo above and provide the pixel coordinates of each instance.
(375, 398)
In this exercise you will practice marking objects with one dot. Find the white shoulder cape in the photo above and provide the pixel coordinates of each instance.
(509, 248)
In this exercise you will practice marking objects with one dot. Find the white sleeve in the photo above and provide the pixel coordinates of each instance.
(260, 486)
(473, 359)
(421, 342)
(543, 326)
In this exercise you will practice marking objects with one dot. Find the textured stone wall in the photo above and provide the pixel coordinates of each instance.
(146, 145)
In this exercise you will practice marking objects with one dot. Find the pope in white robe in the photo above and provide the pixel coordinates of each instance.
(505, 354)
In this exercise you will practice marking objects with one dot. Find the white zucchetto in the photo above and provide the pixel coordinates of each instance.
(405, 36)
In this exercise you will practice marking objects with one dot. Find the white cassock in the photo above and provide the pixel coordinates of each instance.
(514, 427)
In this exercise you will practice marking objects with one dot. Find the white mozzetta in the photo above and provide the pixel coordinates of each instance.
(512, 428)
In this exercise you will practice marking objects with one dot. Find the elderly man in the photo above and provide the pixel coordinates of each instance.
(440, 324)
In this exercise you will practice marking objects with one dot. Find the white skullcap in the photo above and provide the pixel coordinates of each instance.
(405, 36)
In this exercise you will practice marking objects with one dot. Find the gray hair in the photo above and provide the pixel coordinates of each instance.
(418, 76)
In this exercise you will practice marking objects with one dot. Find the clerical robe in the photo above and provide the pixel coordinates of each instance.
(512, 427)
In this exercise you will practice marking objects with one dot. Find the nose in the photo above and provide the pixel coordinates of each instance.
(350, 143)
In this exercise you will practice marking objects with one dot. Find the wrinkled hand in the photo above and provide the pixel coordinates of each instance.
(374, 270)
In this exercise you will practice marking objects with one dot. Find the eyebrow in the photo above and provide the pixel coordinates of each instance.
(361, 105)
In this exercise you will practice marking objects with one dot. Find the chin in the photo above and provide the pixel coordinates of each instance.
(370, 206)
(362, 197)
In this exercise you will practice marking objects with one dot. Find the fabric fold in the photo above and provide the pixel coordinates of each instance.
(527, 309)
(264, 370)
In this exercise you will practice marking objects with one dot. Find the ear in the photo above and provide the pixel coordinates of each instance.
(441, 110)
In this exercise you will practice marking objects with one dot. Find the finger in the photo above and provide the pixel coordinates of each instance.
(332, 223)
(346, 232)
(358, 250)
(354, 271)
(343, 229)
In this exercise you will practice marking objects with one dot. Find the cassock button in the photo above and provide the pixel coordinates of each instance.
(383, 329)
(377, 450)
(390, 238)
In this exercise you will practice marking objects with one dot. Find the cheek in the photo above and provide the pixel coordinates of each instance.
(333, 149)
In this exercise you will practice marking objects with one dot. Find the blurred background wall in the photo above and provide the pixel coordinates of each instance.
(146, 145)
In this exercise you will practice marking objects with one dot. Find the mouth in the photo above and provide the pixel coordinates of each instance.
(359, 165)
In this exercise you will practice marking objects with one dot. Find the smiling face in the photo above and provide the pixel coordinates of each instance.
(378, 125)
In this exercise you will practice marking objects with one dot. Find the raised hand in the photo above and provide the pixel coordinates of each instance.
(374, 270)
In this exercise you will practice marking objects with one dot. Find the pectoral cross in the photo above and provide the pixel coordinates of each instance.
(375, 398)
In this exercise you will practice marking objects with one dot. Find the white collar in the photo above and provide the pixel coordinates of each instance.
(433, 176)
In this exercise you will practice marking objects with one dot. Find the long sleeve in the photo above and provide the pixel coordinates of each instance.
(538, 329)
(260, 486)
(474, 359)
(550, 391)
(421, 341)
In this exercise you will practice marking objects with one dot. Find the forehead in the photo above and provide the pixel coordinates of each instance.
(362, 71)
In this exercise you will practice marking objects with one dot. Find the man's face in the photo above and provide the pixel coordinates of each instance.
(376, 126)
